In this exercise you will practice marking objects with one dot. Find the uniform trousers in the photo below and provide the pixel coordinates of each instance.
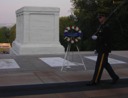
(101, 63)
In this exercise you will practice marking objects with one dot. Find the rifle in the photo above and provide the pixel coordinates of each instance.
(111, 14)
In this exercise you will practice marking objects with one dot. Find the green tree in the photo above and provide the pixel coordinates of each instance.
(87, 10)
(4, 35)
(12, 34)
(7, 35)
(120, 26)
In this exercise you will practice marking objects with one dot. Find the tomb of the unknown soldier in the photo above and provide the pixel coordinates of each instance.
(37, 31)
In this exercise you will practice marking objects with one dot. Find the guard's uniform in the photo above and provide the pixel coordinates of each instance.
(103, 48)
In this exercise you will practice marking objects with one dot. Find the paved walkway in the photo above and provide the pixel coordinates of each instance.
(36, 79)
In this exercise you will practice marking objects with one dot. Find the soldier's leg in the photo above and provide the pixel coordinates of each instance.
(98, 68)
(111, 71)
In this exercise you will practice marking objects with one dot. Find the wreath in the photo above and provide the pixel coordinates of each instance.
(72, 34)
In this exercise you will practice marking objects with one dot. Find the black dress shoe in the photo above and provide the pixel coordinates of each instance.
(91, 84)
(115, 80)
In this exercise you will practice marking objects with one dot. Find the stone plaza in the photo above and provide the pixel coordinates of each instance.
(34, 76)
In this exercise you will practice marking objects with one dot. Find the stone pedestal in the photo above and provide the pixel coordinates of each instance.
(37, 31)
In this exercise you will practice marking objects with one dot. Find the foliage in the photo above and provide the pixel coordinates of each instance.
(87, 10)
(4, 35)
(7, 35)
(13, 34)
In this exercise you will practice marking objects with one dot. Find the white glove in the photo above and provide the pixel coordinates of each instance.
(94, 37)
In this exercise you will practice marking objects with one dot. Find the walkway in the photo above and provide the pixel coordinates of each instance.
(35, 78)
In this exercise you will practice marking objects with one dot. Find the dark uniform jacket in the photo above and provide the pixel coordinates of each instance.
(104, 40)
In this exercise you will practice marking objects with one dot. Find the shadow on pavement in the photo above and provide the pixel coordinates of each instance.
(21, 90)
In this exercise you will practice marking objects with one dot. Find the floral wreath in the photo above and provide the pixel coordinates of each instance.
(72, 34)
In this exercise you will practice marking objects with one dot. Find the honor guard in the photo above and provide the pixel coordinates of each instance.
(103, 48)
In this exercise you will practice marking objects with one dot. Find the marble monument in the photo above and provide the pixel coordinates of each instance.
(37, 31)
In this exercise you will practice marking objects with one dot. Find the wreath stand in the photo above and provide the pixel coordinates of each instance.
(72, 35)
(68, 58)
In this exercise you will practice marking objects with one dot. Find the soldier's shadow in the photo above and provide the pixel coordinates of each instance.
(48, 88)
(107, 84)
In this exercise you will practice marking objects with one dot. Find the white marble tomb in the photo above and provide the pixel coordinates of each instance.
(37, 31)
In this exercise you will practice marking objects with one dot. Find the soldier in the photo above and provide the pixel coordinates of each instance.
(103, 48)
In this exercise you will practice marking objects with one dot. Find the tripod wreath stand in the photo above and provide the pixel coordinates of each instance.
(72, 36)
